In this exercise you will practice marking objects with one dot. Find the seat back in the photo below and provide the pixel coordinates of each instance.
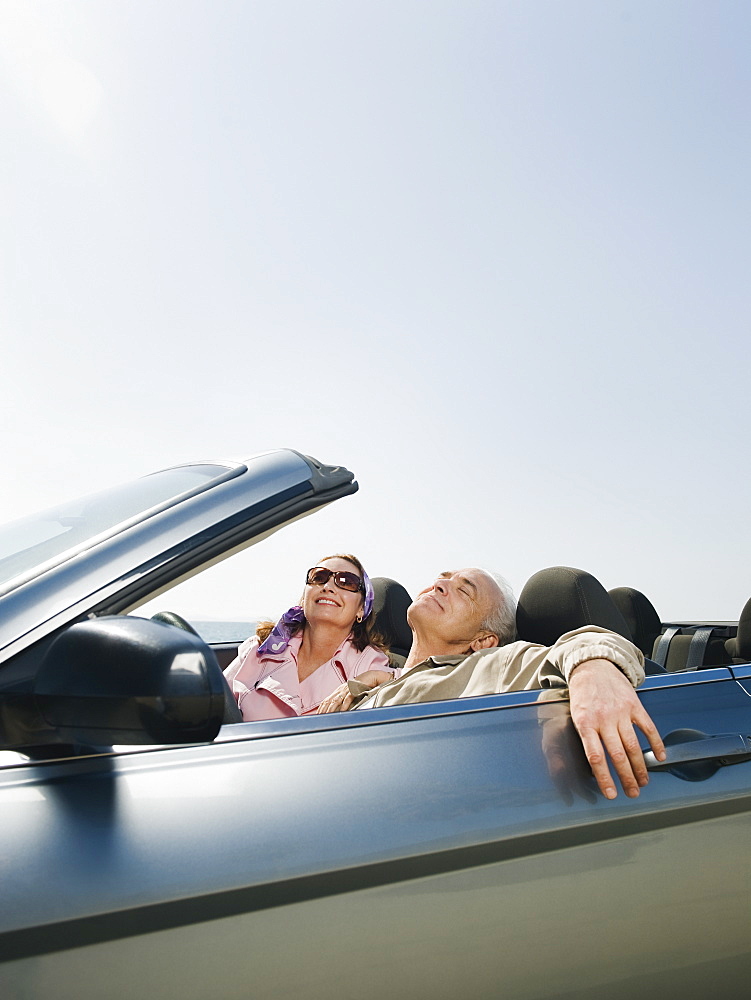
(739, 648)
(690, 648)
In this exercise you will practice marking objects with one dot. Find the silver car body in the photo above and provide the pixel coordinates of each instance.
(434, 850)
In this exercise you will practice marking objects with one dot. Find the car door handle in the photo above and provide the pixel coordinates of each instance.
(686, 746)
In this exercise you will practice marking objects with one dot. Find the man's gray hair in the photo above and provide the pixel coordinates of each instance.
(502, 619)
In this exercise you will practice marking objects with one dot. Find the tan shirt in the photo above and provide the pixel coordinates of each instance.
(519, 666)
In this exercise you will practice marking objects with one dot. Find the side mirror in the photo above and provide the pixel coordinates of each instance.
(130, 680)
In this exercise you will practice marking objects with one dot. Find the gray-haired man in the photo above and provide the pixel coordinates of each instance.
(463, 627)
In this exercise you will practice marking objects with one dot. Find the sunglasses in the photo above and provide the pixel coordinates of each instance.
(344, 581)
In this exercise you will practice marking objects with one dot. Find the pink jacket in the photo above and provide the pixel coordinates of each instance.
(267, 686)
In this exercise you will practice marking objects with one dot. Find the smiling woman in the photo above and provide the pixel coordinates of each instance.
(291, 667)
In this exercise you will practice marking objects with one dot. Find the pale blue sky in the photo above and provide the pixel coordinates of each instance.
(491, 256)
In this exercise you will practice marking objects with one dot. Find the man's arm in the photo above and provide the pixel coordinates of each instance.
(604, 710)
(601, 670)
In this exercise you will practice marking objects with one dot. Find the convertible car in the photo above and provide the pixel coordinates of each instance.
(151, 846)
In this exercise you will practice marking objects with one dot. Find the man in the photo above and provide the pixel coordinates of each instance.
(463, 627)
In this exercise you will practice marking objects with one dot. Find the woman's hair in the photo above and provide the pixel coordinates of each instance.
(363, 633)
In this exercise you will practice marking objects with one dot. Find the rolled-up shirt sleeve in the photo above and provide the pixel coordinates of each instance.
(526, 665)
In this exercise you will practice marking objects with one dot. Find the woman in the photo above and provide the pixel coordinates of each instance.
(290, 668)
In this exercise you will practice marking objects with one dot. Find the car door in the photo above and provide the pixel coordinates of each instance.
(423, 851)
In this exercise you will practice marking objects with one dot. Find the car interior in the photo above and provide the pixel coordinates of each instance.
(557, 600)
(552, 602)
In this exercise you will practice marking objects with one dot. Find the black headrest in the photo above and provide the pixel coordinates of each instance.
(740, 647)
(390, 603)
(560, 599)
(641, 616)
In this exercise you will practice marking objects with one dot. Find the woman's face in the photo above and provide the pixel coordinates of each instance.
(328, 604)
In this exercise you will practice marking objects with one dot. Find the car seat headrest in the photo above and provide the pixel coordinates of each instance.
(641, 616)
(390, 603)
(560, 599)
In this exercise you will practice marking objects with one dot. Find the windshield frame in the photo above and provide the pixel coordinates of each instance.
(11, 583)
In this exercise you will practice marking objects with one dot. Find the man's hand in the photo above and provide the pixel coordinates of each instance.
(338, 701)
(341, 699)
(605, 709)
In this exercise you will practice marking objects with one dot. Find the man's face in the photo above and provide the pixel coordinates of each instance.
(452, 609)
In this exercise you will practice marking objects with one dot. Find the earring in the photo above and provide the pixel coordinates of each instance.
(359, 619)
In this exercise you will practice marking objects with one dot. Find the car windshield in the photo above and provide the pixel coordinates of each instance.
(29, 543)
